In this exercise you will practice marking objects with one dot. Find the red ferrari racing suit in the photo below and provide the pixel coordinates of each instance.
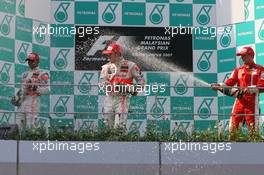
(243, 77)
(29, 108)
(116, 102)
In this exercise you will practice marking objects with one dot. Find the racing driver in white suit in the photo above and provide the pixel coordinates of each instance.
(34, 84)
(117, 79)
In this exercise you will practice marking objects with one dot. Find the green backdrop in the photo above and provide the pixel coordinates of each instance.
(213, 60)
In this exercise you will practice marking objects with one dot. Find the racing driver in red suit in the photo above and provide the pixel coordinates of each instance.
(249, 79)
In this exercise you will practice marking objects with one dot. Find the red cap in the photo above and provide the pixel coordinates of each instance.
(33, 57)
(246, 51)
(113, 47)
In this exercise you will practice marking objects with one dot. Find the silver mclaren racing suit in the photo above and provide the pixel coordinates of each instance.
(34, 84)
(117, 79)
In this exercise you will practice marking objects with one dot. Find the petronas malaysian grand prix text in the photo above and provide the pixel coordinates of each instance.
(197, 146)
(80, 147)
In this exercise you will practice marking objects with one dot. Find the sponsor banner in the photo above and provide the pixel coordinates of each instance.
(7, 49)
(24, 29)
(259, 9)
(138, 104)
(84, 103)
(19, 70)
(204, 80)
(86, 12)
(260, 53)
(152, 49)
(245, 33)
(8, 6)
(159, 126)
(226, 60)
(133, 13)
(225, 107)
(44, 54)
(181, 14)
(44, 107)
(6, 94)
(182, 105)
(203, 125)
(59, 78)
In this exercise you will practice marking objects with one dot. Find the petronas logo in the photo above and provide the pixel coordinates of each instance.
(180, 86)
(60, 61)
(60, 107)
(203, 17)
(156, 16)
(21, 8)
(157, 109)
(88, 125)
(204, 63)
(4, 73)
(5, 25)
(5, 118)
(61, 14)
(39, 36)
(225, 39)
(261, 31)
(227, 76)
(204, 110)
(135, 127)
(183, 126)
(22, 52)
(247, 2)
(41, 122)
(109, 15)
(84, 84)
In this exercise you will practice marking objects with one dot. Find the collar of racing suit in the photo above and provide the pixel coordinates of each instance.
(252, 65)
(36, 68)
(119, 61)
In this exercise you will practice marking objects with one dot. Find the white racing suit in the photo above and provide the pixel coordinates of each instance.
(116, 102)
(30, 106)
